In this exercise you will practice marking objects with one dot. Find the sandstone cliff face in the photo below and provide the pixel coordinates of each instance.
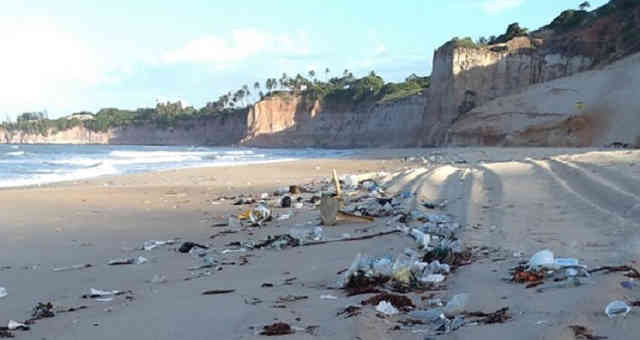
(464, 78)
(282, 121)
(294, 122)
(588, 109)
(223, 130)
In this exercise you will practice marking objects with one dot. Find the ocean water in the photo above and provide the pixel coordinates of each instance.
(25, 165)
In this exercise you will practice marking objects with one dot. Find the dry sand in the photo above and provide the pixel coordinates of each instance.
(577, 202)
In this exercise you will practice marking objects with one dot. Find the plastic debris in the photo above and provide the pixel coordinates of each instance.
(298, 205)
(328, 297)
(284, 217)
(422, 238)
(456, 305)
(218, 291)
(3, 292)
(97, 293)
(432, 278)
(543, 258)
(628, 284)
(617, 308)
(386, 308)
(264, 195)
(151, 244)
(129, 260)
(13, 325)
(429, 316)
(74, 267)
(259, 215)
(285, 202)
(187, 246)
(565, 262)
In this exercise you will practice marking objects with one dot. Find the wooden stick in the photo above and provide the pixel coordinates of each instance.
(344, 216)
(337, 182)
(359, 238)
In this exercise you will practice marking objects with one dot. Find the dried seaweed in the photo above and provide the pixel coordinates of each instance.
(278, 328)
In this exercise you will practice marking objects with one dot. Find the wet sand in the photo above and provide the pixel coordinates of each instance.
(579, 203)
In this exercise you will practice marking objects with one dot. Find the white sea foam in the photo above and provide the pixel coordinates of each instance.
(84, 173)
(48, 164)
(15, 153)
(85, 162)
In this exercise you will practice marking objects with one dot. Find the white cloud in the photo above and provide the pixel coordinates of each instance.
(498, 6)
(240, 45)
(41, 65)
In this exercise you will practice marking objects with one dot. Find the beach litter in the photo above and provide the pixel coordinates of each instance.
(278, 328)
(400, 302)
(259, 215)
(386, 308)
(349, 311)
(187, 246)
(218, 291)
(74, 267)
(285, 202)
(544, 266)
(582, 332)
(97, 293)
(42, 311)
(617, 308)
(151, 244)
(328, 297)
(3, 292)
(15, 325)
(128, 260)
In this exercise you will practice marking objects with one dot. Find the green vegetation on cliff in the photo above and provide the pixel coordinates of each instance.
(345, 89)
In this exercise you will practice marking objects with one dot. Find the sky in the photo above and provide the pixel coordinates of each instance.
(68, 56)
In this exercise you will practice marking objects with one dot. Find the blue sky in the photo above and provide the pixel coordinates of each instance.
(67, 56)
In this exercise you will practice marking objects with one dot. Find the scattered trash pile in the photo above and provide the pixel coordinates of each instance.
(39, 312)
(437, 254)
(544, 266)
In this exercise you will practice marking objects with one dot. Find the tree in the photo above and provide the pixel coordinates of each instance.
(482, 41)
(585, 5)
(284, 81)
(312, 74)
(326, 74)
(245, 93)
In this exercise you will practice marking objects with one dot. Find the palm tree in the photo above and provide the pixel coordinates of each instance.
(345, 73)
(326, 74)
(312, 74)
(583, 6)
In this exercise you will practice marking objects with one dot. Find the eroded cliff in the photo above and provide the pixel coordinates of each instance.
(293, 121)
(588, 109)
(220, 130)
(464, 78)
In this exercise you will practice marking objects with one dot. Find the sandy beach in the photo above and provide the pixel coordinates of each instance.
(510, 203)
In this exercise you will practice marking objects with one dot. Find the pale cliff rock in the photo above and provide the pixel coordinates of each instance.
(592, 108)
(293, 121)
(221, 130)
(464, 78)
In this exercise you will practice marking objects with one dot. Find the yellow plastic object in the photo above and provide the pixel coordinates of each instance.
(244, 215)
